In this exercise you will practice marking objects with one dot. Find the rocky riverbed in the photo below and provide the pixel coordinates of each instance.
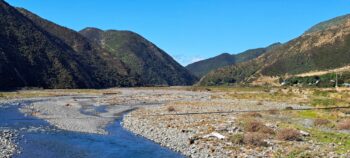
(8, 146)
(195, 123)
(197, 129)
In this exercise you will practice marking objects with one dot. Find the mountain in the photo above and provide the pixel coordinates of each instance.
(323, 47)
(203, 67)
(38, 53)
(153, 65)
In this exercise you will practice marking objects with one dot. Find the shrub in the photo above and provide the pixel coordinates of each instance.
(344, 125)
(253, 126)
(289, 108)
(323, 102)
(345, 111)
(257, 126)
(273, 112)
(171, 109)
(321, 122)
(289, 134)
(237, 139)
(252, 114)
(255, 138)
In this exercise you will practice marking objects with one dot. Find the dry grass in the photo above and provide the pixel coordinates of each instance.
(171, 109)
(273, 112)
(259, 103)
(255, 139)
(257, 126)
(321, 122)
(237, 139)
(252, 114)
(289, 134)
(344, 124)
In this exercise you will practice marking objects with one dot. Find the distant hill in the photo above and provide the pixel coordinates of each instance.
(203, 67)
(323, 47)
(153, 65)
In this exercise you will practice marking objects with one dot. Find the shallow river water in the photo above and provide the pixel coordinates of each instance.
(40, 140)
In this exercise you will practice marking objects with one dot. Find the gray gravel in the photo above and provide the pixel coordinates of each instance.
(8, 146)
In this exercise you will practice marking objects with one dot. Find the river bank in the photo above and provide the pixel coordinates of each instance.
(79, 125)
(258, 127)
(196, 123)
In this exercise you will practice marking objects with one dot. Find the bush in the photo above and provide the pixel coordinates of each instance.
(289, 134)
(171, 109)
(344, 125)
(252, 114)
(321, 122)
(237, 139)
(257, 126)
(255, 138)
(259, 103)
(289, 108)
(273, 112)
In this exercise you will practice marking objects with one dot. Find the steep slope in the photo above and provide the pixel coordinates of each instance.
(31, 56)
(326, 46)
(110, 70)
(203, 67)
(154, 66)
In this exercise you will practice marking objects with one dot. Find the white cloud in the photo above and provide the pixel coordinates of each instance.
(195, 59)
(184, 60)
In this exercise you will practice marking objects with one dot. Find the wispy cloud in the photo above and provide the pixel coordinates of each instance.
(184, 60)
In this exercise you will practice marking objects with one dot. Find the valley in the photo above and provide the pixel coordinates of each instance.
(89, 87)
(188, 120)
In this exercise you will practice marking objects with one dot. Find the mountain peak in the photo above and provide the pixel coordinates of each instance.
(89, 29)
(153, 65)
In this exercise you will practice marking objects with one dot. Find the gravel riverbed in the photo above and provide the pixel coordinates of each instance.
(188, 134)
(8, 146)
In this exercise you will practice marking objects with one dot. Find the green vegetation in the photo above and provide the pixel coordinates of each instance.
(324, 102)
(146, 60)
(294, 57)
(236, 139)
(308, 114)
(48, 93)
(325, 25)
(342, 140)
(37, 53)
(203, 67)
(327, 80)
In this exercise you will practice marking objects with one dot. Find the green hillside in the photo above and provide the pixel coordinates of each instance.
(203, 67)
(325, 49)
(153, 65)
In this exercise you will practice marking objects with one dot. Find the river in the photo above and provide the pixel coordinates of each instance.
(40, 140)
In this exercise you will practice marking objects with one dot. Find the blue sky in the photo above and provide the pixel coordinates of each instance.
(190, 30)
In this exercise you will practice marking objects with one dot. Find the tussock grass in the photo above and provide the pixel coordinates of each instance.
(321, 122)
(344, 124)
(288, 134)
